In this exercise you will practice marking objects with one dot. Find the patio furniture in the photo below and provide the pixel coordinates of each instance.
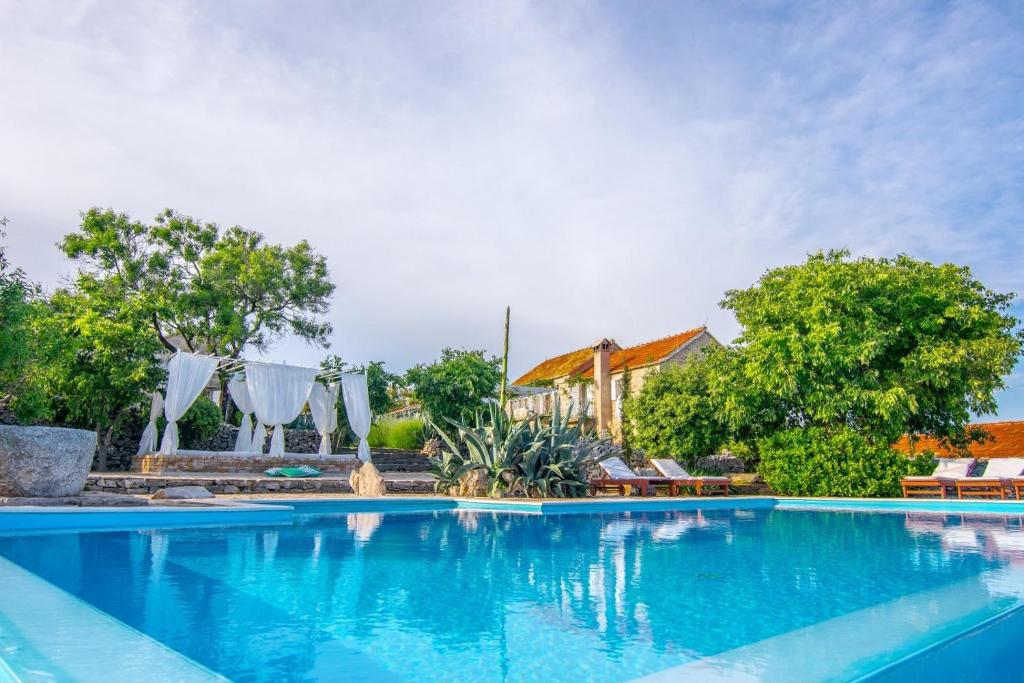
(618, 476)
(998, 477)
(679, 478)
(944, 477)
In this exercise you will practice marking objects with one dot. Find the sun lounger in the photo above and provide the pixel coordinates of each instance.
(938, 482)
(680, 478)
(998, 477)
(617, 476)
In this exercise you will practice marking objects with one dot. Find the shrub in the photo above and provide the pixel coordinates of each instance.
(199, 423)
(675, 415)
(813, 462)
(407, 434)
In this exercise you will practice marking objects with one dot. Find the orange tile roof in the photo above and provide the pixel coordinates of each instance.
(578, 362)
(556, 367)
(647, 353)
(1006, 441)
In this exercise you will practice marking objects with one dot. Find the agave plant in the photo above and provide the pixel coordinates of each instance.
(448, 469)
(525, 458)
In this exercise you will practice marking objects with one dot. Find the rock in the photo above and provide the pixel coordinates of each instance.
(473, 484)
(231, 488)
(366, 481)
(44, 462)
(182, 493)
(432, 448)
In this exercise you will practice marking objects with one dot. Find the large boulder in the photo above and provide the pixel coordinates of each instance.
(366, 481)
(44, 462)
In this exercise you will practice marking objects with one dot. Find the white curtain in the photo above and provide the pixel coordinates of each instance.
(357, 407)
(187, 376)
(148, 442)
(323, 407)
(278, 393)
(240, 395)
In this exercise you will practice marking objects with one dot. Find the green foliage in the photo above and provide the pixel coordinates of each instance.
(626, 423)
(816, 462)
(96, 359)
(406, 434)
(883, 346)
(448, 468)
(675, 413)
(521, 458)
(17, 390)
(457, 386)
(218, 291)
(200, 422)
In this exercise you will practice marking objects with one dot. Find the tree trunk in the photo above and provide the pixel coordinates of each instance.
(103, 447)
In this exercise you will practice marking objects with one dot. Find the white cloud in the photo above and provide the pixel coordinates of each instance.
(450, 159)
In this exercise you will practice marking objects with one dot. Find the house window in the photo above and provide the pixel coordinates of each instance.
(616, 389)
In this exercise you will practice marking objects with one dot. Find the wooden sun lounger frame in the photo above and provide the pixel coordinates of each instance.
(927, 487)
(719, 485)
(982, 487)
(623, 486)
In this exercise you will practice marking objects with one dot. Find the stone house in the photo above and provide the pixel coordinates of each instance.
(593, 376)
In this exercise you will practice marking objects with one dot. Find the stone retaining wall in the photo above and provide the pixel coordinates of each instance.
(148, 484)
(198, 461)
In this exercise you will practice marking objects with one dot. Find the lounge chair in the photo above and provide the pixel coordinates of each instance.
(617, 476)
(947, 471)
(679, 477)
(998, 477)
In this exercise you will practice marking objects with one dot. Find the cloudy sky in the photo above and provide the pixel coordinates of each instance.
(607, 169)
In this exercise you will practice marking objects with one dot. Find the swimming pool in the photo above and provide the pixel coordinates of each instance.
(754, 590)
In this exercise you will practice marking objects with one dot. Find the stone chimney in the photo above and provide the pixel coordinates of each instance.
(603, 384)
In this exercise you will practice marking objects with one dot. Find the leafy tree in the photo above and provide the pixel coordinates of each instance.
(881, 346)
(626, 424)
(675, 414)
(98, 360)
(17, 390)
(208, 289)
(457, 385)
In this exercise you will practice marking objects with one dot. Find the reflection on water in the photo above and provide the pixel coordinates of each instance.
(493, 596)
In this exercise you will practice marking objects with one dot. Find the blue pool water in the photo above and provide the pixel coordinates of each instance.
(499, 596)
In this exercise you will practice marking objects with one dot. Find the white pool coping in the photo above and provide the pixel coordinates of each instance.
(50, 635)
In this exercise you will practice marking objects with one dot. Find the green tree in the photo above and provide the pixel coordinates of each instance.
(17, 390)
(881, 346)
(675, 413)
(626, 424)
(208, 289)
(98, 360)
(457, 385)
